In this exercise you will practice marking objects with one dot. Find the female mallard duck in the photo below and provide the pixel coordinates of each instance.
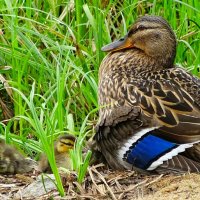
(12, 161)
(61, 150)
(149, 108)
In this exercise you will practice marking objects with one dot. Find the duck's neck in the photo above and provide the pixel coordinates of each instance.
(134, 61)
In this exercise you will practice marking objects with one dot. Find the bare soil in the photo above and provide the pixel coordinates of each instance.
(102, 183)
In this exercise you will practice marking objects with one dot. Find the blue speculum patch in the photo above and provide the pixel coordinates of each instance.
(147, 150)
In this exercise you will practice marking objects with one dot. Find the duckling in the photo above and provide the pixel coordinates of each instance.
(61, 150)
(149, 118)
(12, 161)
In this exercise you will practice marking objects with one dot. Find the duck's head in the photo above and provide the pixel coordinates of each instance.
(65, 143)
(153, 36)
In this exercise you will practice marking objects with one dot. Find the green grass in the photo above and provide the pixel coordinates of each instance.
(53, 49)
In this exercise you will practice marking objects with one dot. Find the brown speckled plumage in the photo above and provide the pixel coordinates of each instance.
(141, 88)
(13, 162)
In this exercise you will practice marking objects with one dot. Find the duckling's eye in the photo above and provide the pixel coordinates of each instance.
(67, 144)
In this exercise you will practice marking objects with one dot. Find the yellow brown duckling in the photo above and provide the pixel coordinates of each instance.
(149, 116)
(61, 149)
(12, 161)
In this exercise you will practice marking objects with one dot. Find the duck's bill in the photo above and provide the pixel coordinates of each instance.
(122, 43)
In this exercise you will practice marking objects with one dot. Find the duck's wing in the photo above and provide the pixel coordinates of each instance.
(173, 102)
(167, 109)
(114, 130)
(179, 164)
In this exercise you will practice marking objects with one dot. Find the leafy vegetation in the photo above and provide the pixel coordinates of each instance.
(50, 53)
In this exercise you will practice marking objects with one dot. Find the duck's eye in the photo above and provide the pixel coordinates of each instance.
(132, 31)
(136, 29)
(121, 39)
(141, 27)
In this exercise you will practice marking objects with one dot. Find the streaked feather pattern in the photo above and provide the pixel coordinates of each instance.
(149, 109)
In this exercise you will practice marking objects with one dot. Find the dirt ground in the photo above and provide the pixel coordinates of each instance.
(101, 183)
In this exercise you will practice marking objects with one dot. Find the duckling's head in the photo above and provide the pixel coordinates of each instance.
(65, 143)
(153, 36)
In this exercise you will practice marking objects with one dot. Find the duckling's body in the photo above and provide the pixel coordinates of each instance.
(149, 109)
(61, 150)
(12, 161)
